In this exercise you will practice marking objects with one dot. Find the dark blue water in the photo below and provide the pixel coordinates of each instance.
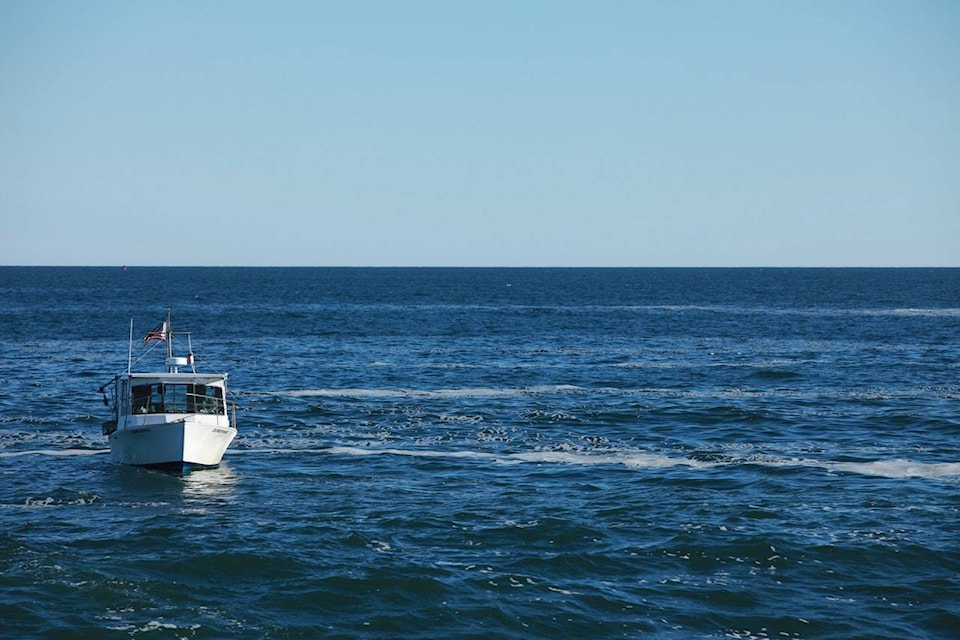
(494, 453)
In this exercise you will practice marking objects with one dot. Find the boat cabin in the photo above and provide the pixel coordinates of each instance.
(162, 397)
(171, 393)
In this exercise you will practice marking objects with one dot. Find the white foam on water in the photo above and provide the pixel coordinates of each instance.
(155, 626)
(655, 392)
(470, 392)
(900, 468)
(413, 453)
(632, 460)
(933, 313)
(893, 468)
(54, 452)
(82, 499)
(341, 393)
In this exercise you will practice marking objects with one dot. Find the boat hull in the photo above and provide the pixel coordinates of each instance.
(176, 445)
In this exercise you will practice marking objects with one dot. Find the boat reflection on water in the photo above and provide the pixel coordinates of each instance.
(196, 492)
(210, 485)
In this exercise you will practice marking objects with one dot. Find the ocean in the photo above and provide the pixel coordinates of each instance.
(493, 453)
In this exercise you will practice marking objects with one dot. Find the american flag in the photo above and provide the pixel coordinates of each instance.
(158, 333)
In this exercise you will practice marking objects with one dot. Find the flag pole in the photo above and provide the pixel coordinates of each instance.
(168, 334)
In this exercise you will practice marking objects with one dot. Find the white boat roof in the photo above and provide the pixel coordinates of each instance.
(195, 378)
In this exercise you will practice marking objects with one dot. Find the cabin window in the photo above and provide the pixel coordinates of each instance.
(206, 399)
(148, 398)
(141, 398)
(177, 398)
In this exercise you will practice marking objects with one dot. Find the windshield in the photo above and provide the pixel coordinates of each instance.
(177, 398)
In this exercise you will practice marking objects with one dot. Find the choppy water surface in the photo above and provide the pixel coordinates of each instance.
(512, 453)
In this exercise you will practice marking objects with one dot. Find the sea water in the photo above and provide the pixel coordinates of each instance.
(493, 453)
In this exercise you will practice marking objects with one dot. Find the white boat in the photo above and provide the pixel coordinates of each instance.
(172, 421)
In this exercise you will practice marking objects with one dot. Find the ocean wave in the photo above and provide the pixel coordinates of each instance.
(757, 370)
(641, 460)
(933, 313)
(886, 468)
(157, 627)
(470, 392)
(632, 460)
(738, 309)
(895, 468)
(900, 468)
(53, 452)
(59, 498)
(944, 312)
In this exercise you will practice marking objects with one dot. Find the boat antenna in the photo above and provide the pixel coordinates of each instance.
(130, 349)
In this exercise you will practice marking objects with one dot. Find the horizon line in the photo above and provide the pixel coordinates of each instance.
(375, 266)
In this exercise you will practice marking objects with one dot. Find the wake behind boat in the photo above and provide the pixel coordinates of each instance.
(173, 420)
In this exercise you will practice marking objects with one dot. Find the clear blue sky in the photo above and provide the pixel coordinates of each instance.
(516, 133)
